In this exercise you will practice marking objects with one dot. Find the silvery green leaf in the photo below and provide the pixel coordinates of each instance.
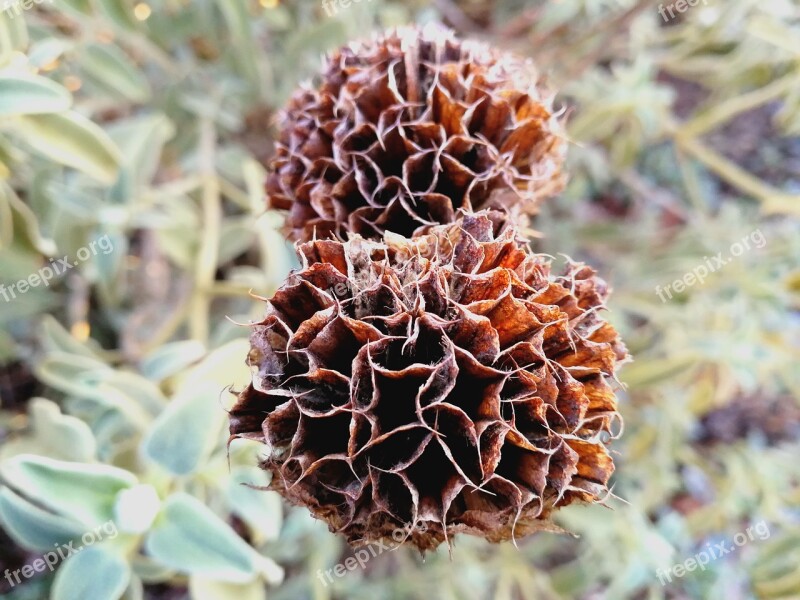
(26, 231)
(72, 140)
(53, 434)
(110, 67)
(141, 140)
(239, 25)
(236, 237)
(119, 12)
(81, 491)
(93, 573)
(65, 372)
(222, 369)
(187, 432)
(45, 51)
(142, 391)
(115, 399)
(53, 337)
(13, 36)
(193, 540)
(82, 205)
(171, 358)
(33, 527)
(31, 95)
(106, 269)
(179, 238)
(261, 510)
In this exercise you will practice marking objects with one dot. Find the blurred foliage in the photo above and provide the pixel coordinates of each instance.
(149, 123)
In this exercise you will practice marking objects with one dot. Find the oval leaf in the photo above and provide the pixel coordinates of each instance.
(84, 492)
(92, 573)
(111, 67)
(74, 141)
(32, 527)
(193, 540)
(186, 433)
(32, 95)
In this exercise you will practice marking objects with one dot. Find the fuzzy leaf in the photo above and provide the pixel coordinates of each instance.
(84, 492)
(72, 140)
(31, 95)
(191, 539)
(92, 573)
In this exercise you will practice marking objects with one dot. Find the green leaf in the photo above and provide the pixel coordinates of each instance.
(32, 527)
(54, 337)
(31, 95)
(191, 539)
(239, 23)
(261, 510)
(236, 237)
(171, 358)
(44, 52)
(24, 226)
(134, 389)
(67, 372)
(119, 12)
(111, 68)
(13, 35)
(224, 367)
(84, 492)
(92, 573)
(53, 434)
(141, 140)
(74, 141)
(187, 432)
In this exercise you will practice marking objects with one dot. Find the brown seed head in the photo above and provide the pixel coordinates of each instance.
(444, 384)
(407, 129)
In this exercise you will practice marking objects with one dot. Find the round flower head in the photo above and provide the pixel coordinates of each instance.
(449, 383)
(403, 131)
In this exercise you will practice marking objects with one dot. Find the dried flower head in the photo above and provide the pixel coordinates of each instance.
(407, 129)
(449, 381)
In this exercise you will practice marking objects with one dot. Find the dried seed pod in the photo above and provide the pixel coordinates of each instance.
(407, 129)
(449, 382)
